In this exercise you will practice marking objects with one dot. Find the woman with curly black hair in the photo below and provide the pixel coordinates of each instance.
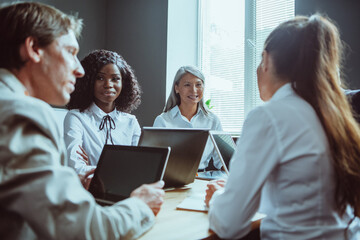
(100, 109)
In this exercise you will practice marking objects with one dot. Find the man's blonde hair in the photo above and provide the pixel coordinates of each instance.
(21, 20)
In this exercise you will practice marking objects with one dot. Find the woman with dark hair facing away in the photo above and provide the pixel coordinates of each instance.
(99, 109)
(300, 151)
(185, 108)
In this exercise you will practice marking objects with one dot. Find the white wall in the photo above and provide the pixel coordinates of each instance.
(182, 37)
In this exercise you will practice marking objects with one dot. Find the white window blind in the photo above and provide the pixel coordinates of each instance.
(231, 38)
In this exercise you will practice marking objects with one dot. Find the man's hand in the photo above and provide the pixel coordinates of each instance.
(212, 187)
(151, 194)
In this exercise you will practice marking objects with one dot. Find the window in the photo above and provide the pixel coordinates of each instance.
(231, 38)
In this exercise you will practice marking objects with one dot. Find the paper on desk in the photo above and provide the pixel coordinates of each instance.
(258, 216)
(194, 202)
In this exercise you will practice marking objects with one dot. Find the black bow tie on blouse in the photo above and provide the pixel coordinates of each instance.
(109, 124)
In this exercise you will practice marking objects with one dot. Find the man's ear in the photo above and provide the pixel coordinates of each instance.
(30, 51)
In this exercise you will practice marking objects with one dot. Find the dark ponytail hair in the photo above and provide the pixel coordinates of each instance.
(308, 52)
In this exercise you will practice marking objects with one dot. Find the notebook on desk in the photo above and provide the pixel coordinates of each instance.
(187, 146)
(196, 202)
(121, 169)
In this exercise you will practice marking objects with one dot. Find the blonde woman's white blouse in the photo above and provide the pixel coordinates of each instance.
(174, 119)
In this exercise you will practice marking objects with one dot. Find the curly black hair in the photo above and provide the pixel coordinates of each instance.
(83, 95)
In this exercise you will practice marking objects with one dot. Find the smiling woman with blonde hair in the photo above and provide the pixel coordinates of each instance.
(185, 108)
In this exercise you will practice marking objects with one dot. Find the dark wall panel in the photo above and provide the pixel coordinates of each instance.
(135, 29)
(138, 31)
(93, 13)
(346, 14)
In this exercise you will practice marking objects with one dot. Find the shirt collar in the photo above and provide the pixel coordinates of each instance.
(176, 110)
(12, 82)
(282, 92)
(200, 110)
(100, 113)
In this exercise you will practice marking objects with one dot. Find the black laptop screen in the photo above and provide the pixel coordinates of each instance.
(187, 146)
(121, 169)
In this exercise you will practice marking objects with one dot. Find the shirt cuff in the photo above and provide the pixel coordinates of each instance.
(215, 195)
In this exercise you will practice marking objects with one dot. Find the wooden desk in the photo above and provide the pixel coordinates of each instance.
(180, 224)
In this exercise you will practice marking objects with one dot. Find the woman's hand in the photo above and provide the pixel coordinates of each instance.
(83, 155)
(85, 180)
(212, 187)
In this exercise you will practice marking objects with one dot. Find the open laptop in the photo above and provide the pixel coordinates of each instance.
(187, 146)
(224, 146)
(121, 169)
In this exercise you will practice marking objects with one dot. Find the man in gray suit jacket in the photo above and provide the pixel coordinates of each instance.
(40, 198)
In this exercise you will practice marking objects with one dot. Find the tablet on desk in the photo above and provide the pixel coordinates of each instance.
(212, 175)
(121, 169)
(224, 146)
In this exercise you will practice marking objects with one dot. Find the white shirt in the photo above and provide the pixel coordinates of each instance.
(174, 119)
(283, 150)
(82, 128)
(40, 198)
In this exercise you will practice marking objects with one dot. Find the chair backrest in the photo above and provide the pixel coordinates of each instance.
(354, 99)
(60, 114)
